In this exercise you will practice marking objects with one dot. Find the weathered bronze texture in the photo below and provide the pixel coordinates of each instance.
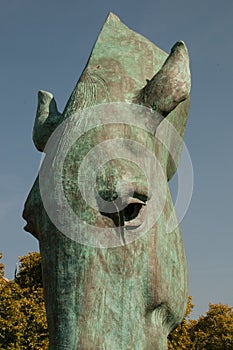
(133, 295)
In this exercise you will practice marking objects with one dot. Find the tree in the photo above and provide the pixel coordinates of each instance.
(214, 331)
(29, 275)
(1, 270)
(23, 323)
(180, 337)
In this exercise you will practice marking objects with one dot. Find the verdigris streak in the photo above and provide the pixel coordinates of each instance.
(132, 294)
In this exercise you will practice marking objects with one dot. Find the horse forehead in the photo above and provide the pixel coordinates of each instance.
(123, 170)
(114, 150)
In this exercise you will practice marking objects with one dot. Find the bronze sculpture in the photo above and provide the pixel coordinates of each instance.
(118, 290)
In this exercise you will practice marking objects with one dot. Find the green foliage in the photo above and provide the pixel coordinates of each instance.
(23, 323)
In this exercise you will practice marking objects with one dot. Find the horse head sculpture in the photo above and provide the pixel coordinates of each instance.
(113, 276)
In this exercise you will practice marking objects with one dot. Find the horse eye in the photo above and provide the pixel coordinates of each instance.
(132, 210)
(130, 216)
(134, 213)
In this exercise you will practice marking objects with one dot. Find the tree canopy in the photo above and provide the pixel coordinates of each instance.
(22, 311)
(180, 337)
(212, 331)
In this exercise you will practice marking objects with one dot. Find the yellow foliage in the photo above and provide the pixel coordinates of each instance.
(23, 324)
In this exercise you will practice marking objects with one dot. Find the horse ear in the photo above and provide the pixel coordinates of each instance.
(168, 94)
(169, 138)
(171, 85)
(47, 119)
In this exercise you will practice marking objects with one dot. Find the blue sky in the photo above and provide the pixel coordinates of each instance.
(45, 45)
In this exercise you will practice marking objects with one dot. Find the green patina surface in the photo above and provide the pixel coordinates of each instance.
(131, 296)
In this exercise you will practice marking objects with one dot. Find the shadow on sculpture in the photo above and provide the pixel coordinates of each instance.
(114, 277)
